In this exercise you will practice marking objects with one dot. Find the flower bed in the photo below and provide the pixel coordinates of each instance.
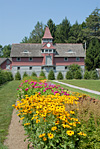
(49, 115)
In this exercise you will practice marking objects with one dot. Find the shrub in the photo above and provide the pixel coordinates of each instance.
(78, 74)
(42, 74)
(69, 75)
(34, 74)
(17, 76)
(25, 74)
(60, 76)
(94, 75)
(87, 75)
(73, 68)
(51, 75)
(10, 76)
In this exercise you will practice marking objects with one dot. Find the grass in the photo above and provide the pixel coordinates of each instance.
(90, 84)
(77, 90)
(7, 98)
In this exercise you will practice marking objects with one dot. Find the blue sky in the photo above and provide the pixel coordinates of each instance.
(18, 17)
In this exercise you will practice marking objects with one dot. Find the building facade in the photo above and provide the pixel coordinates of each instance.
(29, 57)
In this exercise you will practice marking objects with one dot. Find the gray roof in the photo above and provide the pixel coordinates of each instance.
(4, 59)
(69, 50)
(34, 50)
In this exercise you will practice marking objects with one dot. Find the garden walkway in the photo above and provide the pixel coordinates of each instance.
(15, 138)
(80, 88)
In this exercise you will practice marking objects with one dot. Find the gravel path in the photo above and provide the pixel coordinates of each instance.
(15, 138)
(80, 88)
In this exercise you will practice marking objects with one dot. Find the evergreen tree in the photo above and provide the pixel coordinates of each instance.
(52, 28)
(60, 76)
(42, 74)
(92, 29)
(51, 75)
(17, 76)
(25, 74)
(34, 74)
(69, 75)
(92, 60)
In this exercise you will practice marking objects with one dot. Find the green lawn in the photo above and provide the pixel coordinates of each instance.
(77, 90)
(8, 93)
(90, 84)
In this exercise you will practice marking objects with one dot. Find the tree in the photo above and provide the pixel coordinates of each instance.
(73, 68)
(42, 74)
(93, 55)
(6, 51)
(60, 76)
(92, 29)
(37, 33)
(17, 76)
(64, 29)
(51, 75)
(69, 75)
(52, 28)
(75, 34)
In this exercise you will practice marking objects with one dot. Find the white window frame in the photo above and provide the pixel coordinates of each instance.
(43, 51)
(77, 59)
(65, 59)
(19, 59)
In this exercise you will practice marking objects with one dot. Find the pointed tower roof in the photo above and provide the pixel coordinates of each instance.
(47, 34)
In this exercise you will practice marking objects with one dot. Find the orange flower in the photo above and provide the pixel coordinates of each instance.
(44, 139)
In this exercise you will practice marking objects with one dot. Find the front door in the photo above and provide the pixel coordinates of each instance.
(48, 60)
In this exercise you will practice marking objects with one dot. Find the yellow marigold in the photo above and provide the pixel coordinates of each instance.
(57, 122)
(72, 112)
(70, 132)
(82, 134)
(37, 121)
(50, 135)
(26, 124)
(22, 118)
(44, 138)
(53, 128)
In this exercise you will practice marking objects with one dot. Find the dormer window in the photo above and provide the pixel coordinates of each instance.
(18, 59)
(25, 51)
(70, 51)
(65, 58)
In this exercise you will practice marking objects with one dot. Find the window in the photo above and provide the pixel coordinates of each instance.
(18, 68)
(30, 59)
(54, 50)
(25, 51)
(30, 68)
(66, 59)
(8, 62)
(42, 50)
(18, 59)
(42, 67)
(46, 50)
(65, 67)
(54, 68)
(77, 59)
(50, 50)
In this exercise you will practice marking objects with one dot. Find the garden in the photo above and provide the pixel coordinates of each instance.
(54, 117)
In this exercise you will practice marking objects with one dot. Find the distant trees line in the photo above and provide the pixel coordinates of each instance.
(88, 32)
